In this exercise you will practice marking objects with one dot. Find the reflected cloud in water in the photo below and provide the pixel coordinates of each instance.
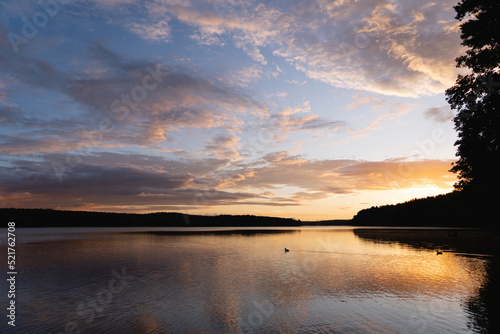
(481, 250)
(332, 280)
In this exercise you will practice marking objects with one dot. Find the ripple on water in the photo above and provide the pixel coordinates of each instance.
(338, 283)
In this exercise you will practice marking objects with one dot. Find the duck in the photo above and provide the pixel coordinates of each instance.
(439, 252)
(286, 249)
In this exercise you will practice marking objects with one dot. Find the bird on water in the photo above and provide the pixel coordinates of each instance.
(287, 250)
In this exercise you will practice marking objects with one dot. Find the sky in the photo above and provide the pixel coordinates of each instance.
(307, 109)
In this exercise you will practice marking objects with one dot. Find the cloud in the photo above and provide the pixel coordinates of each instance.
(384, 46)
(345, 176)
(113, 2)
(390, 47)
(109, 180)
(147, 20)
(124, 181)
(137, 102)
(440, 114)
(224, 146)
(397, 174)
(28, 143)
(312, 196)
(158, 31)
(247, 74)
(378, 46)
(299, 118)
(388, 116)
(363, 99)
(10, 115)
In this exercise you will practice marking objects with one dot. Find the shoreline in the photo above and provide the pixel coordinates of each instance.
(51, 218)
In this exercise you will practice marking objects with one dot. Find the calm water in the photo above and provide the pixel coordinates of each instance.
(332, 281)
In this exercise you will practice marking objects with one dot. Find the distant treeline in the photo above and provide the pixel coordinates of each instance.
(58, 218)
(457, 209)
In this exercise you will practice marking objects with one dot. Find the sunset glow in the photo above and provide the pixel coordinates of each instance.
(312, 110)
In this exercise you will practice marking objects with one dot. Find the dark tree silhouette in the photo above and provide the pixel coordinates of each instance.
(476, 97)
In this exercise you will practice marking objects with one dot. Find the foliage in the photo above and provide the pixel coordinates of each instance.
(456, 209)
(56, 218)
(476, 96)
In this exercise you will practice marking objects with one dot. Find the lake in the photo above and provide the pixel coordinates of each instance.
(333, 280)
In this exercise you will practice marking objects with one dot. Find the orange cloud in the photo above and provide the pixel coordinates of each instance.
(126, 181)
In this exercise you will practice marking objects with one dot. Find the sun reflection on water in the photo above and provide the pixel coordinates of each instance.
(333, 280)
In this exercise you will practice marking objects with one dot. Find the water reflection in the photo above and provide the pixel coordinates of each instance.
(331, 281)
(481, 306)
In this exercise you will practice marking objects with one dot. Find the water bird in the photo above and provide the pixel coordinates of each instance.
(286, 249)
(439, 252)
